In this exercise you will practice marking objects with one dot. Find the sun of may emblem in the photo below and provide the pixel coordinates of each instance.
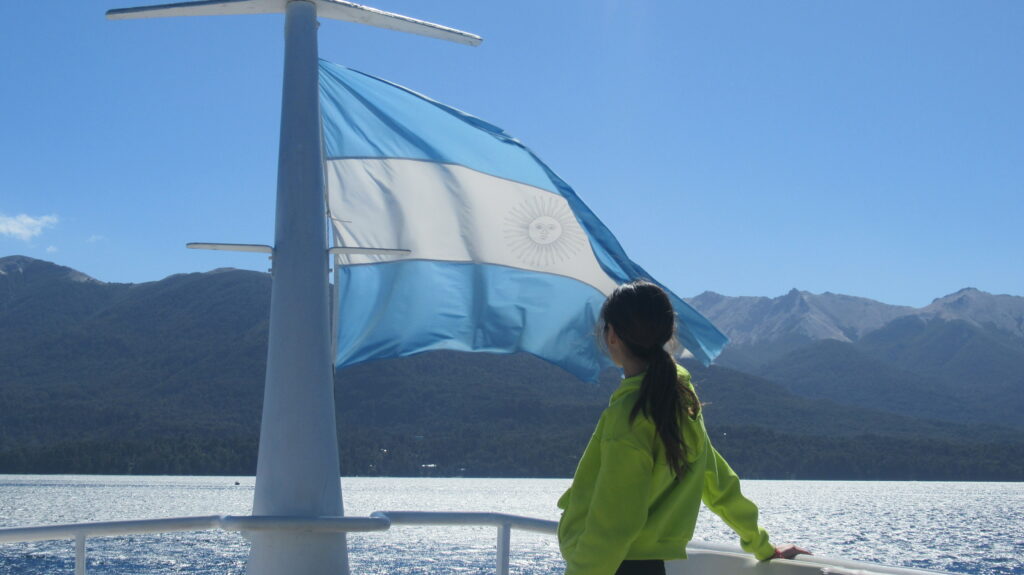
(543, 231)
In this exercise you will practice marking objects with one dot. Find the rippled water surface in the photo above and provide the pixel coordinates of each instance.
(975, 528)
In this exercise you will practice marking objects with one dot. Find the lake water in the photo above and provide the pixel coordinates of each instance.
(975, 528)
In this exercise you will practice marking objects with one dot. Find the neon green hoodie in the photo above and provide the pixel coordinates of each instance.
(625, 502)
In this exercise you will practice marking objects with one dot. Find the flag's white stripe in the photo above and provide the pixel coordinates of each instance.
(447, 212)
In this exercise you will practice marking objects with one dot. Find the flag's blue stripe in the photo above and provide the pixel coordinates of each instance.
(402, 308)
(366, 117)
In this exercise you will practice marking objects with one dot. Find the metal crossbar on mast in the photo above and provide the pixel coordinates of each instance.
(298, 470)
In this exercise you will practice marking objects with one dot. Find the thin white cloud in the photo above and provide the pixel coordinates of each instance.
(25, 227)
(51, 249)
(95, 238)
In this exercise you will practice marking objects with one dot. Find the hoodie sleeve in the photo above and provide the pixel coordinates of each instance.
(722, 496)
(618, 510)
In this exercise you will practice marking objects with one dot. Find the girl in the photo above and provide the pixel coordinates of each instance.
(634, 500)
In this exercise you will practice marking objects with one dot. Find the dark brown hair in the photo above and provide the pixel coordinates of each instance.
(643, 318)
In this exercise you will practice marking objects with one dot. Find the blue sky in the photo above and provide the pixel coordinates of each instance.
(868, 148)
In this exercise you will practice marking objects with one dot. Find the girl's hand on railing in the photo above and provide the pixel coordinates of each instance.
(789, 551)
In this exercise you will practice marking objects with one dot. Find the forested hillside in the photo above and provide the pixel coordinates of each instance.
(166, 378)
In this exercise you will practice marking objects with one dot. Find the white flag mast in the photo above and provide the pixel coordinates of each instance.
(298, 470)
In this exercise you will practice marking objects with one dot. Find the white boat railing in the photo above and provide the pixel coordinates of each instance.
(716, 558)
(377, 521)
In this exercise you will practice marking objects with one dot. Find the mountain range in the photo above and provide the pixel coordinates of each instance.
(167, 376)
(961, 358)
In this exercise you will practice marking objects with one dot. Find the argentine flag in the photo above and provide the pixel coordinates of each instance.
(504, 256)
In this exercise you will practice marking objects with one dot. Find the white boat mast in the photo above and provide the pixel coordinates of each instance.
(298, 470)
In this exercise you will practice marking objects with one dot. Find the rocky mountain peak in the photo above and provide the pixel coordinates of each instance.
(797, 315)
(804, 316)
(961, 297)
(707, 298)
(1003, 312)
(26, 269)
(14, 264)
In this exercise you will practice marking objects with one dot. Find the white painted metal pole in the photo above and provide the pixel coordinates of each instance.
(298, 471)
(503, 548)
(80, 553)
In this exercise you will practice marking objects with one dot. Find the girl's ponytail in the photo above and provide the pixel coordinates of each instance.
(644, 320)
(664, 399)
